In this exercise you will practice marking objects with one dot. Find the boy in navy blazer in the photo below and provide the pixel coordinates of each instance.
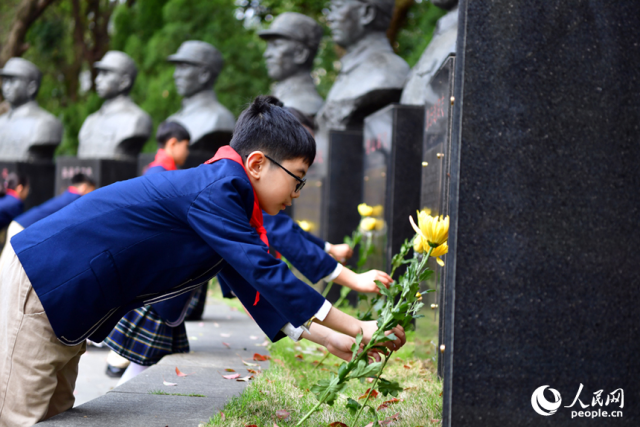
(74, 274)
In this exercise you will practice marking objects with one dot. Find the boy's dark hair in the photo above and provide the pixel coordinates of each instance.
(81, 178)
(302, 117)
(268, 127)
(12, 181)
(168, 130)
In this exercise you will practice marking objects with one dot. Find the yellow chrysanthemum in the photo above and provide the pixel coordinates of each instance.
(368, 224)
(364, 209)
(305, 225)
(377, 211)
(438, 252)
(417, 244)
(434, 230)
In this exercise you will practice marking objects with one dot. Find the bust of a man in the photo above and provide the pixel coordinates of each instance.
(371, 74)
(209, 123)
(443, 43)
(292, 44)
(119, 129)
(27, 132)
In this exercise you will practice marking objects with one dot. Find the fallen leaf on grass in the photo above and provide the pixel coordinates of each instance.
(387, 422)
(226, 344)
(283, 415)
(222, 417)
(231, 377)
(248, 378)
(374, 394)
(261, 357)
(299, 356)
(250, 425)
(388, 403)
(435, 421)
(279, 362)
(337, 424)
(409, 388)
(407, 367)
(230, 370)
(225, 335)
(181, 374)
(168, 383)
(253, 371)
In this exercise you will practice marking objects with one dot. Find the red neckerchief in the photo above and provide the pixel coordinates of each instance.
(256, 220)
(14, 193)
(164, 160)
(73, 190)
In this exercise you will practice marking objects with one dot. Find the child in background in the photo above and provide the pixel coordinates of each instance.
(173, 148)
(13, 193)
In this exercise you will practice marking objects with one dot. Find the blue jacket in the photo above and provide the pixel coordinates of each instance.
(10, 207)
(154, 169)
(303, 250)
(47, 208)
(155, 237)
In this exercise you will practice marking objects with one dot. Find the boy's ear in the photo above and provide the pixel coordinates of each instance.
(171, 142)
(255, 164)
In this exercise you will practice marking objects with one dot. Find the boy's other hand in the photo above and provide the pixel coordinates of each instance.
(369, 328)
(340, 345)
(365, 282)
(341, 252)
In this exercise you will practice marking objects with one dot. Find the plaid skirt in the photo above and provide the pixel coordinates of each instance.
(143, 338)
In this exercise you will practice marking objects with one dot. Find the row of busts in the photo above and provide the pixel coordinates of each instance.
(371, 76)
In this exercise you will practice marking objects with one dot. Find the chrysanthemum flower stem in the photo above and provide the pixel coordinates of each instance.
(372, 388)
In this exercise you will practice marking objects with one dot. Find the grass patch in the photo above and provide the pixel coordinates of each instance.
(164, 393)
(285, 387)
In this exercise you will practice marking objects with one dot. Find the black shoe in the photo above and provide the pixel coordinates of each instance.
(114, 372)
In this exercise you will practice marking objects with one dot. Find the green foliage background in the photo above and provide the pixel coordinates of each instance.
(150, 30)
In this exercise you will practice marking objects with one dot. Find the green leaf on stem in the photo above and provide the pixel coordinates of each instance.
(425, 275)
(383, 289)
(389, 387)
(353, 406)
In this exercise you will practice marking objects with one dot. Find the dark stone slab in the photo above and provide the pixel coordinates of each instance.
(102, 171)
(392, 148)
(143, 161)
(342, 192)
(41, 177)
(436, 168)
(545, 207)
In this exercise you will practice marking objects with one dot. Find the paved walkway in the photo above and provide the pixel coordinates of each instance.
(222, 340)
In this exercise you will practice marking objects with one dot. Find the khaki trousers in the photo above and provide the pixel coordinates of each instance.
(13, 229)
(37, 372)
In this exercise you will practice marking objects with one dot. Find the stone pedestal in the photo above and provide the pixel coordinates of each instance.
(544, 204)
(41, 177)
(392, 147)
(102, 171)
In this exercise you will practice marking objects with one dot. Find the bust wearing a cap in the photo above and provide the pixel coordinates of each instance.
(209, 123)
(371, 74)
(27, 132)
(119, 129)
(292, 44)
(443, 43)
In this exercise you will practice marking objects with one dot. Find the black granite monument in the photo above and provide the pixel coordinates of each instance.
(102, 171)
(392, 148)
(543, 277)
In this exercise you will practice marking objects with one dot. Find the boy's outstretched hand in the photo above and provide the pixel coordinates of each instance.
(368, 329)
(340, 345)
(341, 252)
(365, 282)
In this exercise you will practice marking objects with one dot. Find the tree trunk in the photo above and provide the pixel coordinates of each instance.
(397, 21)
(26, 14)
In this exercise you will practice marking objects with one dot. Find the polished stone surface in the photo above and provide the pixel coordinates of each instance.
(545, 182)
(392, 147)
(102, 171)
(41, 176)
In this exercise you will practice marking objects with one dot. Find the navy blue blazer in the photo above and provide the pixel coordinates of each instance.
(154, 169)
(47, 208)
(303, 252)
(151, 238)
(10, 207)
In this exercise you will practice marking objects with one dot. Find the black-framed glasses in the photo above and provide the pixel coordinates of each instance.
(301, 181)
